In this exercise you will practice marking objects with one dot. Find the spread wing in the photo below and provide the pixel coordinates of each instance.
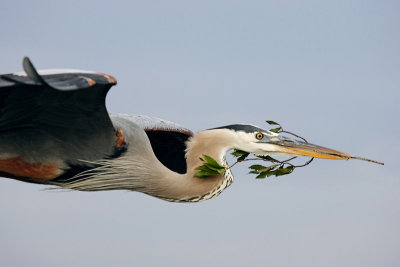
(53, 119)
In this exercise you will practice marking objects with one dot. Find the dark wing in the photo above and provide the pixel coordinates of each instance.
(54, 118)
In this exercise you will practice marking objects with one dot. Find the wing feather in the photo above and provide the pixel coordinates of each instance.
(55, 117)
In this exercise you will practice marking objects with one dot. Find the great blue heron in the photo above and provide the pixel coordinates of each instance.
(55, 129)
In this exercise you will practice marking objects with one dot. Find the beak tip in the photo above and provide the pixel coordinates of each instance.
(369, 160)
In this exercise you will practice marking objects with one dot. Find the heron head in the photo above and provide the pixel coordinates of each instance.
(262, 142)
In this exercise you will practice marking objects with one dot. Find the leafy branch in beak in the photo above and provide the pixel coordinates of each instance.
(211, 167)
(276, 167)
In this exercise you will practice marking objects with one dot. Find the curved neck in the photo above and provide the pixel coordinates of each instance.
(186, 187)
(139, 169)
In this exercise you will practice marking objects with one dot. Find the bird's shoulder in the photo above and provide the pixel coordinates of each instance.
(53, 119)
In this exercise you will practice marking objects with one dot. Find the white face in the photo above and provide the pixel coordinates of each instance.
(263, 143)
(258, 143)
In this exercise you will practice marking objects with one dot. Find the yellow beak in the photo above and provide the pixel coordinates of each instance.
(298, 148)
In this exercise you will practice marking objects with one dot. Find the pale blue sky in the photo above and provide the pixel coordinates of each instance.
(327, 70)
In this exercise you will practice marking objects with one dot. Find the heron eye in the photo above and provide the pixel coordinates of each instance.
(259, 136)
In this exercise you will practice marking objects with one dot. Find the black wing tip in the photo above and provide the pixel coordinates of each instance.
(31, 71)
(57, 80)
(26, 60)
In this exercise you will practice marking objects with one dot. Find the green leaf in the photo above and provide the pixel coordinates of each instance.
(272, 123)
(200, 168)
(212, 162)
(276, 130)
(221, 171)
(257, 167)
(205, 168)
(268, 158)
(284, 171)
(261, 175)
(263, 171)
(280, 171)
(238, 153)
(203, 174)
(241, 155)
(210, 167)
(270, 168)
